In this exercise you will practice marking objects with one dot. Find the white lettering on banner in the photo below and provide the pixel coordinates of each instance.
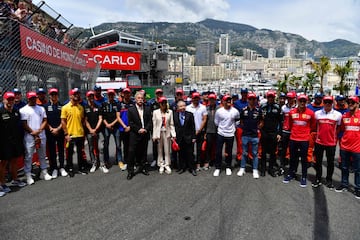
(115, 60)
(52, 51)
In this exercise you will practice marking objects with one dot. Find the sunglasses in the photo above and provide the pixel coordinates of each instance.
(302, 100)
(328, 102)
(351, 102)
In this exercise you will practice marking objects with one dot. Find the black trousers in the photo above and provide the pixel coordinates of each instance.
(285, 139)
(137, 151)
(330, 156)
(186, 155)
(79, 143)
(210, 147)
(52, 143)
(268, 144)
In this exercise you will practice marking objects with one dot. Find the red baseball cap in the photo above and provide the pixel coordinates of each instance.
(179, 90)
(110, 91)
(159, 90)
(251, 95)
(31, 95)
(354, 98)
(90, 93)
(195, 95)
(226, 97)
(290, 95)
(328, 98)
(126, 90)
(53, 90)
(8, 95)
(270, 93)
(162, 99)
(302, 96)
(73, 91)
(212, 96)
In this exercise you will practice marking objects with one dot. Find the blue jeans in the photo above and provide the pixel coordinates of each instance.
(229, 141)
(345, 159)
(254, 142)
(116, 134)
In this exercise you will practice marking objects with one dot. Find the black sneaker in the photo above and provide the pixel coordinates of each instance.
(281, 171)
(83, 171)
(316, 183)
(71, 173)
(329, 184)
(341, 188)
(357, 194)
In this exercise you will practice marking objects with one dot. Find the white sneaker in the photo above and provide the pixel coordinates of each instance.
(228, 172)
(54, 174)
(45, 176)
(29, 179)
(2, 193)
(216, 173)
(167, 169)
(104, 169)
(255, 173)
(161, 170)
(93, 168)
(241, 172)
(63, 172)
(153, 163)
(124, 167)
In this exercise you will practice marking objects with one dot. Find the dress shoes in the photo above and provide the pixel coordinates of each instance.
(181, 171)
(143, 171)
(193, 172)
(130, 175)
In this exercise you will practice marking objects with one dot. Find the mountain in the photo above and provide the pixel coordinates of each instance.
(183, 36)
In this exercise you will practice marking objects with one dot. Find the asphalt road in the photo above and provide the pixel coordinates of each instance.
(108, 206)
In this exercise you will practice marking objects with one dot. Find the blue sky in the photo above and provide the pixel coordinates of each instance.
(321, 20)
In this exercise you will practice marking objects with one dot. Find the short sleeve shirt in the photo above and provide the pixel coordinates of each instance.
(198, 113)
(74, 115)
(34, 116)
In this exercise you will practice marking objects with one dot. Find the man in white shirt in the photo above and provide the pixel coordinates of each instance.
(225, 119)
(34, 121)
(200, 116)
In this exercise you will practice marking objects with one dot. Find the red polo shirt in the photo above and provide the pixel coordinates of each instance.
(301, 124)
(350, 124)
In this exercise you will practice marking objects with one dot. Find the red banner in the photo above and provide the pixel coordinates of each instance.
(36, 46)
(113, 60)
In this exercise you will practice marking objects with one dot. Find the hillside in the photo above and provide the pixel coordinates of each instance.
(184, 35)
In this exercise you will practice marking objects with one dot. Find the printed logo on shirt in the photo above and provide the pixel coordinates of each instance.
(346, 120)
(295, 115)
(50, 109)
(5, 116)
(356, 120)
(352, 128)
(300, 123)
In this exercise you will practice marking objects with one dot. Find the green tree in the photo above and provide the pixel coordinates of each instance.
(343, 72)
(321, 68)
(310, 81)
(283, 84)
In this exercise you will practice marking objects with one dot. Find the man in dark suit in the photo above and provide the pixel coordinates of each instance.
(140, 123)
(185, 137)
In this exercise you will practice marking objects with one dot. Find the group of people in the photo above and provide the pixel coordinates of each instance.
(186, 135)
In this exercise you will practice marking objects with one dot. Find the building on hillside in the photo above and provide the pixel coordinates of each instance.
(271, 53)
(205, 53)
(289, 50)
(224, 44)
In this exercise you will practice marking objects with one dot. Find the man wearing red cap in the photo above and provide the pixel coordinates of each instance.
(93, 123)
(122, 116)
(72, 121)
(350, 146)
(270, 133)
(251, 120)
(55, 134)
(328, 122)
(108, 112)
(225, 118)
(11, 142)
(200, 117)
(34, 120)
(301, 123)
(285, 134)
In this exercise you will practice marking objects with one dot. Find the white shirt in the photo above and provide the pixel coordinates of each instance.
(198, 113)
(141, 114)
(34, 116)
(225, 121)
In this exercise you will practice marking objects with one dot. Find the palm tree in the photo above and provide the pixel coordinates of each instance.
(294, 81)
(310, 81)
(343, 72)
(321, 69)
(282, 84)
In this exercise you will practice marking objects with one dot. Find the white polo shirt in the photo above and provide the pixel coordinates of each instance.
(198, 113)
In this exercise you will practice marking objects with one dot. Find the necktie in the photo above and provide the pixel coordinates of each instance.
(182, 118)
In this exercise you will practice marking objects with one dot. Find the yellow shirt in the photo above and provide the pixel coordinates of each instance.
(74, 116)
